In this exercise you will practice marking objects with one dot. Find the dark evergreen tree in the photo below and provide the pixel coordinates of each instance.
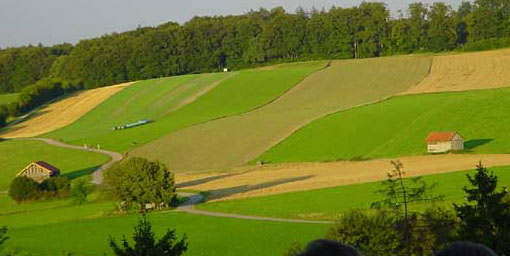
(145, 242)
(485, 218)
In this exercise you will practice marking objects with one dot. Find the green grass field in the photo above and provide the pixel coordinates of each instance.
(84, 230)
(16, 154)
(8, 98)
(329, 202)
(239, 93)
(399, 126)
(237, 139)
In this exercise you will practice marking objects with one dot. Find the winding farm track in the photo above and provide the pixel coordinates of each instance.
(97, 176)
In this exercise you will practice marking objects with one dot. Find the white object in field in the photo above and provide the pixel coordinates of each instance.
(225, 70)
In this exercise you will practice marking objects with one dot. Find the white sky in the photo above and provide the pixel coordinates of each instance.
(56, 21)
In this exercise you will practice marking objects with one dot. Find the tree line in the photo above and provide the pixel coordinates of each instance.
(208, 44)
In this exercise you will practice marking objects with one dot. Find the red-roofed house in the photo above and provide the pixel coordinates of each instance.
(39, 171)
(439, 142)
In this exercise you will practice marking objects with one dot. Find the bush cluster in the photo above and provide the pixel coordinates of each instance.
(23, 189)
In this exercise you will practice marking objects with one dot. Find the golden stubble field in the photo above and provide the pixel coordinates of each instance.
(62, 113)
(282, 178)
(467, 71)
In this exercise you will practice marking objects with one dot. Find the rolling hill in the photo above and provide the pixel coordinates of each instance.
(398, 127)
(235, 140)
(178, 102)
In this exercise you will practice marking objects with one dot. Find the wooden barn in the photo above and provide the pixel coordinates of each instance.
(39, 171)
(440, 142)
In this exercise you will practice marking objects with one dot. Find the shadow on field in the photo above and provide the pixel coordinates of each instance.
(207, 179)
(471, 144)
(224, 192)
(81, 173)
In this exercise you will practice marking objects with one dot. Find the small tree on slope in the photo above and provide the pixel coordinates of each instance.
(485, 218)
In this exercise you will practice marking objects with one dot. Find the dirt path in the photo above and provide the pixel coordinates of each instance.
(189, 207)
(61, 113)
(97, 176)
(282, 178)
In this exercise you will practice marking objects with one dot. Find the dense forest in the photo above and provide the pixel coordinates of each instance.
(206, 44)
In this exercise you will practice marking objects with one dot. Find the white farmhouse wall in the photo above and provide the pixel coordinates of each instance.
(439, 147)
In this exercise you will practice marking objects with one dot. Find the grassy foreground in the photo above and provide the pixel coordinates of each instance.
(399, 126)
(328, 203)
(16, 154)
(158, 99)
(207, 235)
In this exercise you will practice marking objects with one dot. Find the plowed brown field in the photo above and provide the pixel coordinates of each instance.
(61, 113)
(468, 71)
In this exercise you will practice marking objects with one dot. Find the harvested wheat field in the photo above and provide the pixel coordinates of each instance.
(468, 71)
(62, 113)
(277, 179)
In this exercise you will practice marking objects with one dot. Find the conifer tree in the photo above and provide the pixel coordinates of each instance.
(485, 218)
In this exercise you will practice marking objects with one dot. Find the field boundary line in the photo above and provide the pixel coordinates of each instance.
(189, 207)
(241, 113)
(333, 112)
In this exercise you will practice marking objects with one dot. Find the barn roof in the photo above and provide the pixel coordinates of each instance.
(48, 166)
(440, 136)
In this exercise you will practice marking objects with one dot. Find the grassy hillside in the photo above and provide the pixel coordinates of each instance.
(16, 154)
(8, 98)
(165, 100)
(235, 140)
(399, 126)
(86, 234)
(328, 203)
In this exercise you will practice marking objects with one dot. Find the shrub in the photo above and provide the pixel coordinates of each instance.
(56, 187)
(487, 44)
(382, 232)
(374, 234)
(80, 191)
(24, 189)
